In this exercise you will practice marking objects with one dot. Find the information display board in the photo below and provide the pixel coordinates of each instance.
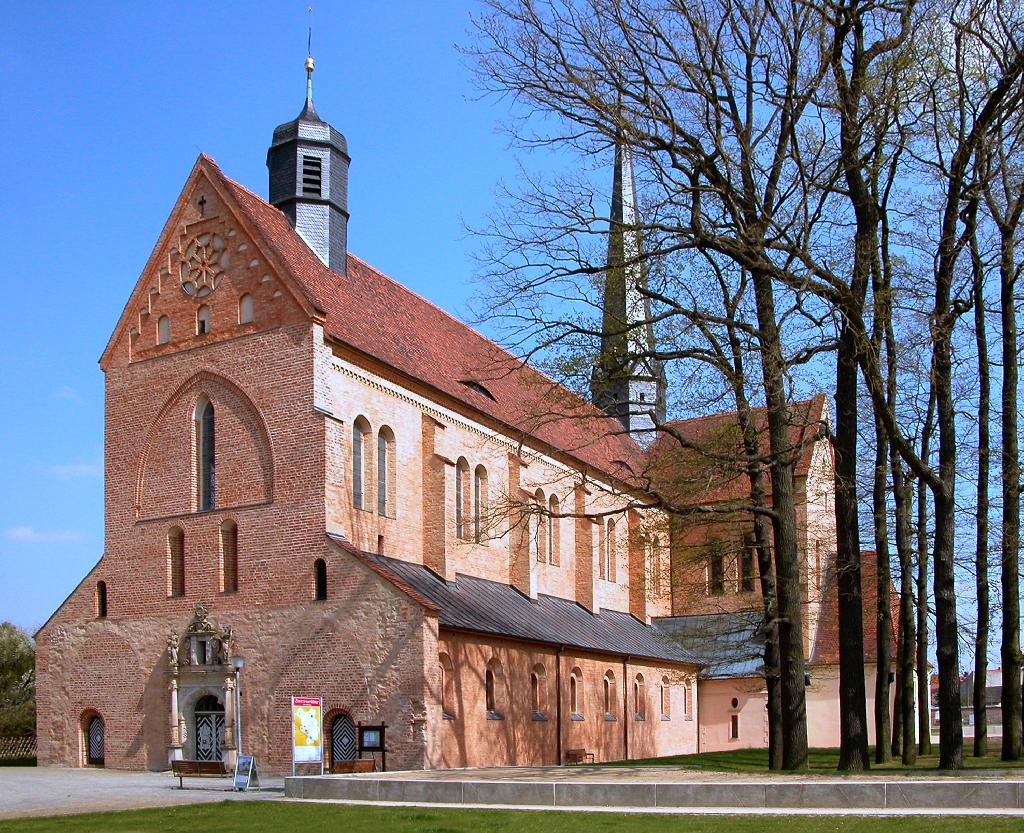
(307, 730)
(245, 773)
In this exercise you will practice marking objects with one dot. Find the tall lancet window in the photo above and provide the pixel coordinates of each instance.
(360, 439)
(206, 477)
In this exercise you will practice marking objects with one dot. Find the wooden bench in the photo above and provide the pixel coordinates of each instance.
(578, 756)
(198, 769)
(359, 765)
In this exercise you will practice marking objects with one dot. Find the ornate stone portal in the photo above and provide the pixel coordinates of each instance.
(198, 668)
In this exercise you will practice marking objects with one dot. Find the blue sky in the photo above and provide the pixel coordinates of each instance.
(106, 107)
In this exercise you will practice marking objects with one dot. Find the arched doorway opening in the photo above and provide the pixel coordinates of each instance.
(95, 741)
(209, 728)
(343, 739)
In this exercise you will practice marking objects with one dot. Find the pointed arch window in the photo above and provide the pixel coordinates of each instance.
(176, 561)
(246, 309)
(386, 472)
(479, 503)
(554, 524)
(462, 487)
(163, 330)
(666, 699)
(203, 320)
(228, 557)
(206, 454)
(360, 467)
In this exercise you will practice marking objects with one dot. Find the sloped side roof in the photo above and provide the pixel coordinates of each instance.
(379, 317)
(699, 464)
(728, 645)
(826, 643)
(490, 607)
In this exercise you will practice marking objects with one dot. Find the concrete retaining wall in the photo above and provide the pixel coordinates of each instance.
(874, 794)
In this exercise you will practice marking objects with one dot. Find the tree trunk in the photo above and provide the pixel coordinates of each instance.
(883, 608)
(784, 530)
(924, 720)
(981, 525)
(904, 551)
(1009, 571)
(853, 748)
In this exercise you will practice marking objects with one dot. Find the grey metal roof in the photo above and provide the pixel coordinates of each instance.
(728, 645)
(476, 604)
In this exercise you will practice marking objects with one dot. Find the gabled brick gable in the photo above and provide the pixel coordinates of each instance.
(253, 270)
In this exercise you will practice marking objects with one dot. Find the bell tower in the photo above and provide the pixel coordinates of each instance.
(628, 380)
(308, 162)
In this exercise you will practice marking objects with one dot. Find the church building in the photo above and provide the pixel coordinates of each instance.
(317, 483)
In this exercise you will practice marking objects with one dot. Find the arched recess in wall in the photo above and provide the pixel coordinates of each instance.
(447, 684)
(166, 480)
(93, 738)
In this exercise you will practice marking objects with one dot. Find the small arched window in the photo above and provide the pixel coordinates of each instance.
(666, 699)
(716, 576)
(493, 680)
(101, 600)
(639, 697)
(447, 686)
(206, 455)
(654, 561)
(228, 557)
(609, 694)
(538, 537)
(479, 503)
(611, 551)
(203, 320)
(462, 517)
(576, 693)
(386, 472)
(686, 700)
(176, 561)
(320, 580)
(538, 690)
(245, 309)
(163, 330)
(747, 572)
(554, 524)
(360, 436)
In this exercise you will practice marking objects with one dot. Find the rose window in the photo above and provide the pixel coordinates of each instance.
(203, 264)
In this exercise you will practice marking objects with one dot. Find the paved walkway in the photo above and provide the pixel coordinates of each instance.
(52, 791)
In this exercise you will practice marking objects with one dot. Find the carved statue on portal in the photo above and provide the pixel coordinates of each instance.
(203, 643)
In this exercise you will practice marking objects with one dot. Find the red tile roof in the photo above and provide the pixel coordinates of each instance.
(698, 465)
(379, 317)
(826, 644)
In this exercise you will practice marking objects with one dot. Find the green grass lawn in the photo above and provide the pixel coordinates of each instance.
(820, 761)
(273, 817)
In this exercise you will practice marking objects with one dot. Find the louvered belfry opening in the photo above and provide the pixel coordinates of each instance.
(312, 174)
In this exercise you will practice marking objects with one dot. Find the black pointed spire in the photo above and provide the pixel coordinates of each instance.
(627, 382)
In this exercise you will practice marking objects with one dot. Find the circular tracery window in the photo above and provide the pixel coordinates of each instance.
(203, 264)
